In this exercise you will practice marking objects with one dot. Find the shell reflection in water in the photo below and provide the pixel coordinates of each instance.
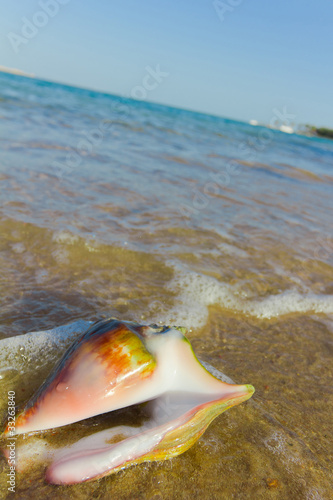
(115, 364)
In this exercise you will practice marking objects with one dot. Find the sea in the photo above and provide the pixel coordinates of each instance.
(118, 207)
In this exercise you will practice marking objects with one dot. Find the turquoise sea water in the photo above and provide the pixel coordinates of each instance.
(177, 162)
(111, 206)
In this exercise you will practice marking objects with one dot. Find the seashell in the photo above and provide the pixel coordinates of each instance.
(115, 364)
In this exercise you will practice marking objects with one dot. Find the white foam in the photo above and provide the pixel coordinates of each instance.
(31, 451)
(18, 247)
(65, 237)
(37, 348)
(276, 443)
(196, 292)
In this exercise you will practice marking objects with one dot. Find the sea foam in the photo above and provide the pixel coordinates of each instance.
(196, 292)
(37, 348)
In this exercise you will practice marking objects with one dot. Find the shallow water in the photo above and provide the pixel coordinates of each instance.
(112, 207)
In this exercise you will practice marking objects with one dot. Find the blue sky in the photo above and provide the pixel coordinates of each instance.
(241, 64)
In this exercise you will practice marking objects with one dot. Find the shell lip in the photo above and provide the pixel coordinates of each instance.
(173, 430)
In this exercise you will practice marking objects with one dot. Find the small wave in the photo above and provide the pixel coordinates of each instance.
(37, 348)
(196, 292)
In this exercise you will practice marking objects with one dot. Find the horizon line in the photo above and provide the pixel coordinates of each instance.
(24, 74)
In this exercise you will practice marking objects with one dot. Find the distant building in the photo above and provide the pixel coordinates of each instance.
(287, 129)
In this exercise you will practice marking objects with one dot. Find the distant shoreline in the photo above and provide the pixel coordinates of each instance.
(15, 71)
(303, 130)
(321, 132)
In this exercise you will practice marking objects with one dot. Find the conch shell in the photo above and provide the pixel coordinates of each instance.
(115, 364)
